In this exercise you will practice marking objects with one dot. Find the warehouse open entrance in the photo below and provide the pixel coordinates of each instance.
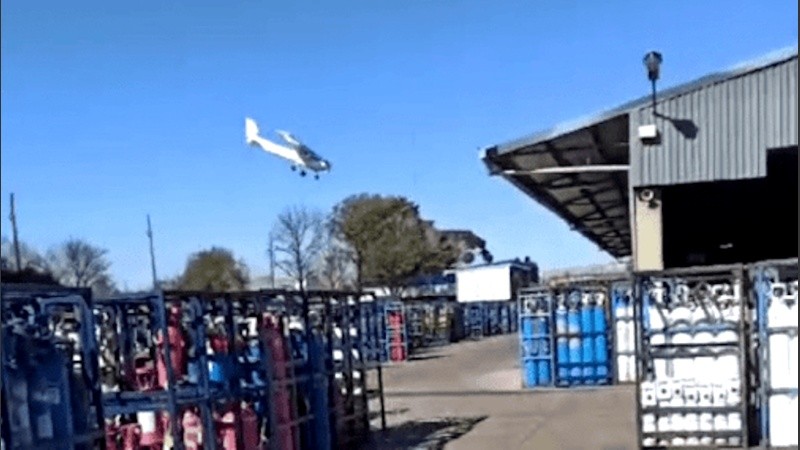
(734, 221)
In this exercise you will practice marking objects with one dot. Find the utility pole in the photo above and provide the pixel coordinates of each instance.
(13, 218)
(152, 253)
(272, 260)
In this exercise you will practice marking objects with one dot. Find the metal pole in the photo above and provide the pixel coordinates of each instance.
(380, 389)
(653, 84)
(152, 253)
(13, 218)
(272, 260)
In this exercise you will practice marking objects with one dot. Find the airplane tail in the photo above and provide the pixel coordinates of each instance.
(250, 130)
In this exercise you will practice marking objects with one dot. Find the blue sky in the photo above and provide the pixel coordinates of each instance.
(112, 110)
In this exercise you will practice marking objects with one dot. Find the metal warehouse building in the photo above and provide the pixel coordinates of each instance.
(717, 184)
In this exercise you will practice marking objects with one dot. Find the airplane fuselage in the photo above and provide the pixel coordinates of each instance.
(294, 151)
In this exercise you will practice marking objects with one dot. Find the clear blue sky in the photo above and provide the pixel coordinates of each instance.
(112, 110)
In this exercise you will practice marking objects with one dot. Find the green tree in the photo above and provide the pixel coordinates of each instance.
(389, 242)
(214, 270)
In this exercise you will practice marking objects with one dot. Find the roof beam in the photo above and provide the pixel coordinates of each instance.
(593, 168)
(560, 160)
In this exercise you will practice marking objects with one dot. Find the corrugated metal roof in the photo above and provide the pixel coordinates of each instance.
(771, 58)
(720, 131)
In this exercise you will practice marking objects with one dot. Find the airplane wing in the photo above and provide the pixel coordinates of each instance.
(286, 136)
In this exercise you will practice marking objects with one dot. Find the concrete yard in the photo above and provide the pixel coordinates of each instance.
(467, 396)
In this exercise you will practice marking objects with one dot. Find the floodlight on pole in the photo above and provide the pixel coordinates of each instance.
(652, 61)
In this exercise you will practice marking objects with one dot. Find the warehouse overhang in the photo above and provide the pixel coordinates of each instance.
(581, 175)
(583, 170)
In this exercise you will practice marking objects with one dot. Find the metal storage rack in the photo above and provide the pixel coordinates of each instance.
(536, 339)
(143, 384)
(593, 365)
(624, 330)
(691, 400)
(55, 325)
(771, 281)
(475, 320)
(393, 338)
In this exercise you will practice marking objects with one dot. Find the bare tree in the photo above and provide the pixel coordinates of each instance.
(298, 234)
(30, 259)
(80, 264)
(334, 265)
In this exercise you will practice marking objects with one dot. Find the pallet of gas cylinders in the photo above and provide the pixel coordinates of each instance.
(717, 356)
(480, 319)
(564, 336)
(383, 325)
(428, 322)
(266, 369)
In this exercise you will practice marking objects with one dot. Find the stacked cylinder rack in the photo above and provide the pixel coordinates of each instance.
(392, 331)
(564, 336)
(536, 339)
(624, 320)
(693, 358)
(775, 287)
(51, 389)
(182, 370)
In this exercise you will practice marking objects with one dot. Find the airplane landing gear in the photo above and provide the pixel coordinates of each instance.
(302, 173)
(294, 168)
(316, 176)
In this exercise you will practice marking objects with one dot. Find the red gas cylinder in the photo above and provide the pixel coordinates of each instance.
(152, 432)
(145, 374)
(226, 430)
(192, 430)
(112, 434)
(131, 435)
(177, 348)
(219, 343)
(250, 434)
(277, 347)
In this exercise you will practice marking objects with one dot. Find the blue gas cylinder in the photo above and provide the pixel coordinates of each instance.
(527, 327)
(600, 328)
(587, 343)
(530, 373)
(574, 329)
(562, 342)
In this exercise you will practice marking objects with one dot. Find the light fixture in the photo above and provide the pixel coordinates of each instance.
(652, 61)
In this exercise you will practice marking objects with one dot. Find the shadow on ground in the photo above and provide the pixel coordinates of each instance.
(418, 435)
(424, 357)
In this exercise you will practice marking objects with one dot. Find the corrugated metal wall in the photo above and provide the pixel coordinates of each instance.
(736, 122)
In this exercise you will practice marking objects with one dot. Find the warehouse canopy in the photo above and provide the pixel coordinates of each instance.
(579, 170)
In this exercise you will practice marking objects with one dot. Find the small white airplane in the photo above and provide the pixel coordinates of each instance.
(295, 151)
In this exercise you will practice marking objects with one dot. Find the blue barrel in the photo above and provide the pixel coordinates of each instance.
(574, 329)
(587, 343)
(600, 328)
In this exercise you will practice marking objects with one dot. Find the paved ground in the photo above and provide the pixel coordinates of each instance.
(467, 396)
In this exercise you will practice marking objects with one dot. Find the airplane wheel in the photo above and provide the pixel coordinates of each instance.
(302, 173)
(316, 177)
(294, 168)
